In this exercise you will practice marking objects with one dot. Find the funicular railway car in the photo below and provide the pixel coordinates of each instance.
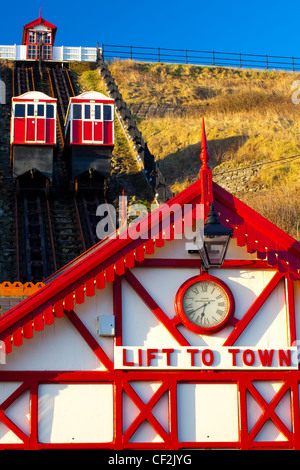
(89, 138)
(33, 138)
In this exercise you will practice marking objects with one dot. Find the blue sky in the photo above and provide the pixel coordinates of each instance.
(258, 27)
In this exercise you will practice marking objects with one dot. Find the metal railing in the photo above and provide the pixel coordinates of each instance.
(193, 57)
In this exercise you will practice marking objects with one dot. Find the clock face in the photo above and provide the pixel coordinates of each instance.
(204, 304)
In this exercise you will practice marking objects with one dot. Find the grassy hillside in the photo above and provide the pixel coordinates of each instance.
(250, 119)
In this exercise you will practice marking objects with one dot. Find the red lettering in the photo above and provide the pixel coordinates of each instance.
(234, 352)
(168, 353)
(248, 361)
(151, 355)
(211, 357)
(284, 356)
(125, 363)
(266, 357)
(192, 353)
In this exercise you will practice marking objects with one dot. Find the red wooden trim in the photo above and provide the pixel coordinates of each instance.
(117, 305)
(152, 305)
(262, 225)
(195, 262)
(118, 410)
(243, 323)
(90, 340)
(145, 412)
(38, 322)
(243, 423)
(269, 411)
(14, 428)
(14, 396)
(10, 424)
(33, 428)
(100, 280)
(90, 287)
(28, 329)
(110, 273)
(79, 294)
(69, 301)
(17, 336)
(295, 410)
(173, 419)
(169, 381)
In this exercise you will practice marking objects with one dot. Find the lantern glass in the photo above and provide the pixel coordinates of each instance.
(215, 248)
(213, 245)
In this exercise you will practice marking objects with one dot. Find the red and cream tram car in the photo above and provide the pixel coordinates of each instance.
(89, 136)
(33, 135)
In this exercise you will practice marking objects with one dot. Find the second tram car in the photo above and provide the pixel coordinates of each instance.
(89, 138)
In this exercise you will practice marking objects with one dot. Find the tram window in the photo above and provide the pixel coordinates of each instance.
(107, 112)
(40, 110)
(19, 110)
(76, 111)
(97, 111)
(87, 111)
(30, 110)
(49, 111)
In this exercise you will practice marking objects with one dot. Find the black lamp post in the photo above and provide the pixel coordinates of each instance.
(213, 247)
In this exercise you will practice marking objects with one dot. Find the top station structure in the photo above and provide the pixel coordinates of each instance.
(38, 37)
(38, 44)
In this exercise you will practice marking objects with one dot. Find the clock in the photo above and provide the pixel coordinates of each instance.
(204, 304)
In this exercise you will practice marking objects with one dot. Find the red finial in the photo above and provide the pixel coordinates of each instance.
(40, 13)
(204, 156)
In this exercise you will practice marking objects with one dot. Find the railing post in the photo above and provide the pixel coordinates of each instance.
(240, 60)
(267, 61)
(158, 54)
(130, 52)
(186, 57)
(213, 57)
(293, 64)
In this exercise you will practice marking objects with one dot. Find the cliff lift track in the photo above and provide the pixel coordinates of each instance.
(22, 80)
(36, 257)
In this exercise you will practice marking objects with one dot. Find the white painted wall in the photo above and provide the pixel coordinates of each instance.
(73, 413)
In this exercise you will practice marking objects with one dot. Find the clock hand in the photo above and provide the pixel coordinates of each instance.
(193, 311)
